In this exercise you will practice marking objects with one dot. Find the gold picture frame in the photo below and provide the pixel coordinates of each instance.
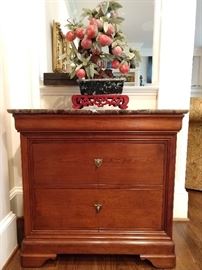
(130, 77)
(60, 49)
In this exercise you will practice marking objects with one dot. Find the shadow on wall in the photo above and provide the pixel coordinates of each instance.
(15, 178)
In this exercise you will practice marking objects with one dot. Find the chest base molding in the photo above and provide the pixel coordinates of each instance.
(157, 248)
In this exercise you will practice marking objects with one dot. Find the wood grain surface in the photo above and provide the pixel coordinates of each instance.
(133, 185)
(188, 252)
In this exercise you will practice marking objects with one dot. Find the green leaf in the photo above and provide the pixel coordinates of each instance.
(80, 57)
(78, 67)
(72, 74)
(116, 20)
(87, 69)
(91, 68)
(114, 44)
(104, 7)
(138, 56)
(86, 12)
(131, 55)
(105, 26)
(115, 5)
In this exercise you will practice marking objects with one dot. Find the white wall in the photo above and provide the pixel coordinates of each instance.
(32, 60)
(24, 46)
(175, 70)
(51, 10)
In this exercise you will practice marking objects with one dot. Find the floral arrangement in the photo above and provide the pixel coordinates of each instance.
(99, 46)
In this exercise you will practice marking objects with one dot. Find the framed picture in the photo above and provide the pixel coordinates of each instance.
(60, 49)
(130, 77)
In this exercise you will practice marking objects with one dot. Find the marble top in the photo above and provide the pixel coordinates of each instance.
(93, 111)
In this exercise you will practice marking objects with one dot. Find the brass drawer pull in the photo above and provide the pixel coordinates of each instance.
(98, 162)
(98, 207)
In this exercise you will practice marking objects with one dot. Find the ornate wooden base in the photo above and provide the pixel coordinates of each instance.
(80, 101)
(159, 251)
(160, 261)
(36, 260)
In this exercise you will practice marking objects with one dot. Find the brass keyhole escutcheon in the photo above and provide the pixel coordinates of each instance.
(98, 207)
(98, 162)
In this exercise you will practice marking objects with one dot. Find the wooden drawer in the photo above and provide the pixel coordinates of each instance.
(62, 209)
(131, 163)
(131, 209)
(63, 163)
(120, 209)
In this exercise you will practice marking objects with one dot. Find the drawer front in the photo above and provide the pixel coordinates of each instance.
(110, 209)
(132, 163)
(59, 163)
(131, 209)
(63, 209)
(62, 163)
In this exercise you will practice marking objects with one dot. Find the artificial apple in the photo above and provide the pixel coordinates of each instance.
(91, 31)
(111, 30)
(79, 32)
(86, 43)
(80, 73)
(117, 51)
(70, 36)
(124, 68)
(104, 40)
(115, 63)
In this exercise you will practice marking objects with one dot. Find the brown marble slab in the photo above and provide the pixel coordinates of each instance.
(93, 111)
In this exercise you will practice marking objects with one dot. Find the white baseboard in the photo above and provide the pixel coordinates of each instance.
(16, 200)
(8, 238)
(15, 192)
(180, 205)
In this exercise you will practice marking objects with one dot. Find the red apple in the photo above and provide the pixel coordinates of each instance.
(96, 22)
(79, 32)
(93, 21)
(115, 63)
(117, 51)
(70, 36)
(91, 31)
(124, 68)
(80, 73)
(111, 30)
(104, 40)
(86, 43)
(99, 24)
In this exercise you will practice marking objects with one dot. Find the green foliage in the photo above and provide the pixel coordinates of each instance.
(94, 60)
(104, 6)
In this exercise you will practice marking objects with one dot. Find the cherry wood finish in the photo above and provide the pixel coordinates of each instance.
(98, 184)
(188, 248)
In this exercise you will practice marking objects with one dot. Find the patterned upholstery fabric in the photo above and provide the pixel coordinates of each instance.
(194, 155)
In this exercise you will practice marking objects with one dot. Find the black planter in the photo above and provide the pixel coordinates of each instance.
(101, 86)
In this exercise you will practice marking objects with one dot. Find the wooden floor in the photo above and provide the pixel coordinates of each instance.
(188, 241)
(188, 246)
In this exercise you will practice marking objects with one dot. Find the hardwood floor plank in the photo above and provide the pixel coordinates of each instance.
(184, 249)
(188, 251)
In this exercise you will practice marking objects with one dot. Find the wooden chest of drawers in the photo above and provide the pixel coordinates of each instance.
(99, 183)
